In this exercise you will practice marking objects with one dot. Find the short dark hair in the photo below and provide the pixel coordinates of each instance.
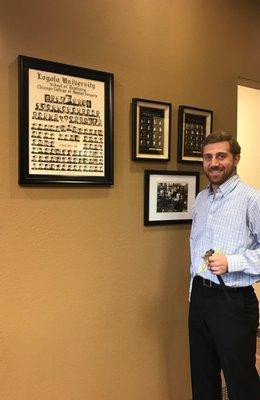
(221, 136)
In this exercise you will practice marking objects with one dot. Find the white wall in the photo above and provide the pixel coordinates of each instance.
(248, 135)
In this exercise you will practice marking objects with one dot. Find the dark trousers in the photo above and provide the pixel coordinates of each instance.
(223, 337)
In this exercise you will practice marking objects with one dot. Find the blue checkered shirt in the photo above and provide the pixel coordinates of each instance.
(229, 223)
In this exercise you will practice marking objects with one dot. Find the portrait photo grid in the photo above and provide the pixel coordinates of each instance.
(194, 134)
(66, 125)
(151, 128)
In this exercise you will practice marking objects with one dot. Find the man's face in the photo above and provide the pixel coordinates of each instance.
(218, 163)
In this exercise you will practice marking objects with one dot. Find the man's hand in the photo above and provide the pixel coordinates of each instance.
(218, 264)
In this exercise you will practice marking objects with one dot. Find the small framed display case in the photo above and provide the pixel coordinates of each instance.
(151, 126)
(169, 196)
(194, 124)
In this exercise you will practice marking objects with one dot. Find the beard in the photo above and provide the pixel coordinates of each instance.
(219, 175)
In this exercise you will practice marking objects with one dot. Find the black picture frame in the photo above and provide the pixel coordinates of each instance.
(151, 128)
(169, 196)
(65, 124)
(194, 124)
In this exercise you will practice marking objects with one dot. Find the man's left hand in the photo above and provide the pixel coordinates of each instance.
(218, 264)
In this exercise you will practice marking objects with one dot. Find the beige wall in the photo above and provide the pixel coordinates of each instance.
(94, 304)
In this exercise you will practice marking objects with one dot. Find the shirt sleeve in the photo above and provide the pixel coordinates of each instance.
(249, 261)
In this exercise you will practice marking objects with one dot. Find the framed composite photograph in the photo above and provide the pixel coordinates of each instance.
(151, 127)
(65, 124)
(169, 196)
(194, 124)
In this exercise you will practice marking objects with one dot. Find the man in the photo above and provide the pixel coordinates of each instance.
(223, 320)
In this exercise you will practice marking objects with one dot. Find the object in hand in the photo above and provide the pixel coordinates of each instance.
(208, 254)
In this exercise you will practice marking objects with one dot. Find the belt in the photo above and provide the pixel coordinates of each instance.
(209, 284)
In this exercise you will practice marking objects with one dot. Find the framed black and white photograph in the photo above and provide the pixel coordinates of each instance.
(169, 196)
(194, 124)
(151, 127)
(65, 124)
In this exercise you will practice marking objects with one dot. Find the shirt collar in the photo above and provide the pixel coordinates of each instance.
(226, 187)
